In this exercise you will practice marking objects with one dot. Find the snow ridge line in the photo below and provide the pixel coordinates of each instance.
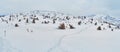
(61, 38)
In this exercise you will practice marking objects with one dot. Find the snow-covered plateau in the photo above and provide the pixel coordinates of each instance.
(50, 31)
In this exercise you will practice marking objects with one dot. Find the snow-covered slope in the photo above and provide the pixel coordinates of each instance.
(38, 31)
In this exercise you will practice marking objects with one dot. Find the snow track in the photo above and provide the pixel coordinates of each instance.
(57, 45)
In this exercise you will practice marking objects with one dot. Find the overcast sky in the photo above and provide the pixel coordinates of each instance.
(78, 7)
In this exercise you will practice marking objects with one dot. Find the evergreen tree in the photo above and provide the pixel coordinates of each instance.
(33, 21)
(16, 25)
(99, 28)
(27, 20)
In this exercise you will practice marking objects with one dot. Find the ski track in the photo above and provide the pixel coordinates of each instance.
(64, 36)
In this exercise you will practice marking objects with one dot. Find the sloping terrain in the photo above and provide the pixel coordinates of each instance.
(50, 31)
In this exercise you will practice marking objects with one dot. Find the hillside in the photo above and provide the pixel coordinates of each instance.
(51, 31)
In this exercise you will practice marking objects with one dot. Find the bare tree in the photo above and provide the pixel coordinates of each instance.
(62, 26)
